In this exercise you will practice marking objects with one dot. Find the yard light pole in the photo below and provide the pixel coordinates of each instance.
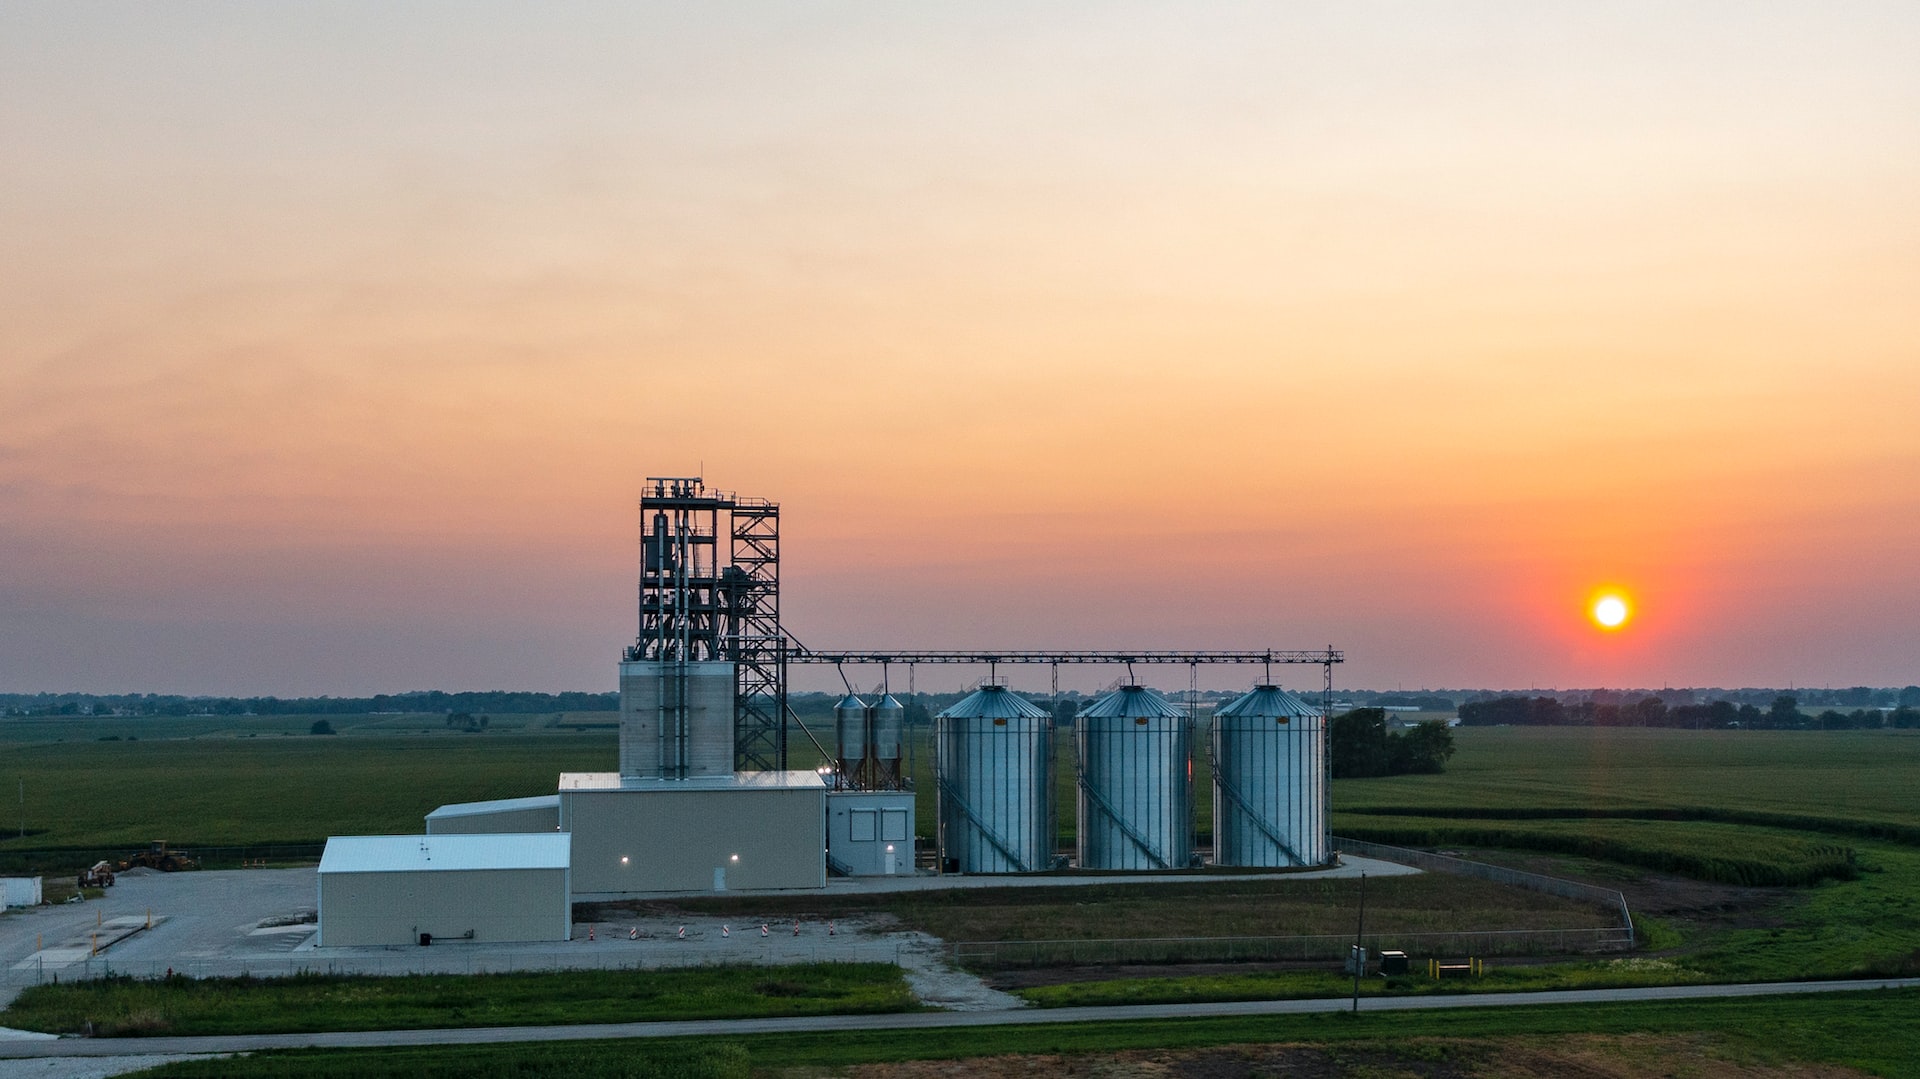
(1358, 957)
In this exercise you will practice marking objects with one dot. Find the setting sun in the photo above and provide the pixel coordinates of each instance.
(1611, 611)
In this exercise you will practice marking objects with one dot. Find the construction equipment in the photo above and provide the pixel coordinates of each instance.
(100, 876)
(157, 856)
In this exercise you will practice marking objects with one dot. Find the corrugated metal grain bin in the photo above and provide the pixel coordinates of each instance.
(993, 761)
(1270, 781)
(1135, 782)
(850, 727)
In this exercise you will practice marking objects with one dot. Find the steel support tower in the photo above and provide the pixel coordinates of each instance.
(695, 608)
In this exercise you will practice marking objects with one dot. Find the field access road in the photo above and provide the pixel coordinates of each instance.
(159, 1047)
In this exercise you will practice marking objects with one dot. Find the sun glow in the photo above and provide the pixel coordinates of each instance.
(1610, 610)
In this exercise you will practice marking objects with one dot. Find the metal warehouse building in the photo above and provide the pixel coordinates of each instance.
(405, 889)
(704, 833)
(540, 814)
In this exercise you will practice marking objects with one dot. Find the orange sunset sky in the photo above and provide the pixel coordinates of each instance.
(336, 339)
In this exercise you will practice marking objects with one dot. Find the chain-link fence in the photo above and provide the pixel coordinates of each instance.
(1013, 954)
(1460, 867)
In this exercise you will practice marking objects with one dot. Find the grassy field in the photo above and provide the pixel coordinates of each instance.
(219, 782)
(1876, 1032)
(1753, 811)
(1843, 777)
(1250, 908)
(316, 1002)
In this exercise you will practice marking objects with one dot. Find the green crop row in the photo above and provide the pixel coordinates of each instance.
(1865, 829)
(1719, 853)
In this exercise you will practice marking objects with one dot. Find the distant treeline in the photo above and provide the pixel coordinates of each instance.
(1782, 714)
(429, 700)
(1847, 698)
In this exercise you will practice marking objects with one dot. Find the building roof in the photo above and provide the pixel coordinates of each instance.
(614, 781)
(994, 702)
(1132, 702)
(498, 805)
(419, 853)
(1267, 701)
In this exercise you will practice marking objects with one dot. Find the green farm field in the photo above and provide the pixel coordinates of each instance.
(1745, 855)
(1845, 777)
(112, 784)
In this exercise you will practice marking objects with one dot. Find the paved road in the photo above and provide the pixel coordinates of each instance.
(65, 1047)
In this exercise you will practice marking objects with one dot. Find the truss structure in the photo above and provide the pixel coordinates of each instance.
(695, 607)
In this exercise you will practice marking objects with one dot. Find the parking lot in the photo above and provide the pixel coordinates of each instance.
(222, 923)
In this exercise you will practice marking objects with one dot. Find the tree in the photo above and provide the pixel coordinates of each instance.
(1362, 746)
(1064, 711)
(1359, 743)
(1785, 714)
(1422, 749)
(320, 726)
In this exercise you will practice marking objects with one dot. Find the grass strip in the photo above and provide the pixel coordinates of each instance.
(1634, 972)
(1875, 1031)
(306, 1003)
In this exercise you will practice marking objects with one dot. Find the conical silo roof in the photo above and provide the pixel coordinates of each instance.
(994, 702)
(1131, 702)
(1266, 701)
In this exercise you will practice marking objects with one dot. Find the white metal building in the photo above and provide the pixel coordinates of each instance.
(700, 834)
(19, 892)
(410, 889)
(870, 833)
(501, 815)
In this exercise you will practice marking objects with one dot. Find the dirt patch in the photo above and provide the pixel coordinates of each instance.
(1576, 1057)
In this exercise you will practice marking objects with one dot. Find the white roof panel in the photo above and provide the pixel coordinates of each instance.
(417, 853)
(614, 781)
(498, 805)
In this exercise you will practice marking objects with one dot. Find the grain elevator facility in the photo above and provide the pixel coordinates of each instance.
(701, 797)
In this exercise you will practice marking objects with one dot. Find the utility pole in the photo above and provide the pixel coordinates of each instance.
(1359, 951)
